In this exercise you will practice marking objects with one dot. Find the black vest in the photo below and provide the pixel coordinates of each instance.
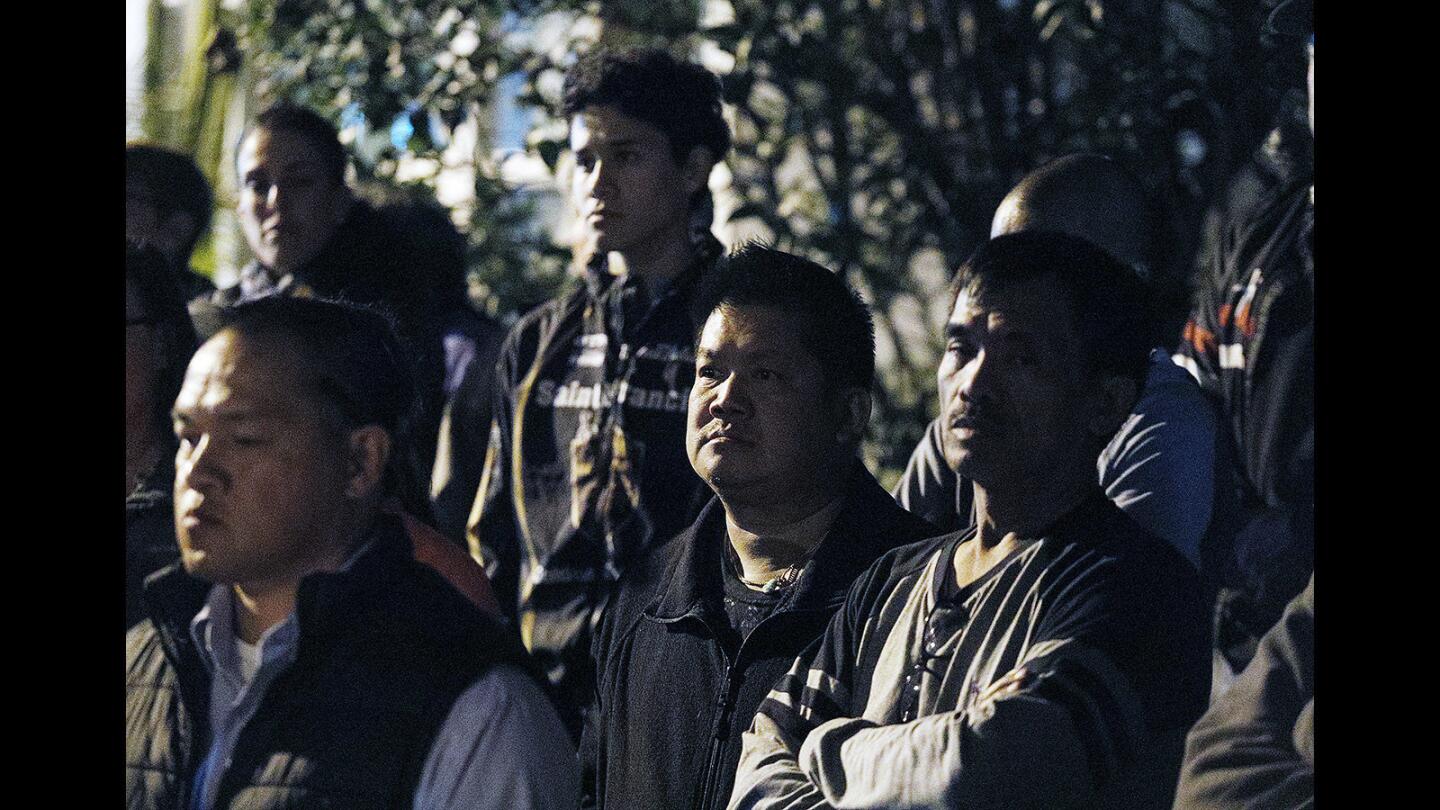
(385, 649)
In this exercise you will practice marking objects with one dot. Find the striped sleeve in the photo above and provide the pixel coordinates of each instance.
(812, 692)
(1071, 723)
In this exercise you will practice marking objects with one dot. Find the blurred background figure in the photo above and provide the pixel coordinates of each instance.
(1255, 747)
(1250, 341)
(454, 349)
(159, 340)
(312, 236)
(307, 231)
(168, 206)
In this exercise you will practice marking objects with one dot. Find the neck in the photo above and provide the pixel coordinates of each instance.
(261, 606)
(1026, 510)
(1012, 518)
(661, 258)
(767, 542)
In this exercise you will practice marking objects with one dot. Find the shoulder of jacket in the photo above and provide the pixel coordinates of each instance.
(897, 564)
(142, 648)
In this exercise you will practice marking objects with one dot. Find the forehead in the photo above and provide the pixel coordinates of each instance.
(276, 150)
(601, 126)
(755, 329)
(1035, 307)
(236, 373)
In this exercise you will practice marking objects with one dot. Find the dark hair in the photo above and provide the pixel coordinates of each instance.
(171, 183)
(836, 323)
(680, 99)
(358, 372)
(150, 275)
(1110, 307)
(286, 116)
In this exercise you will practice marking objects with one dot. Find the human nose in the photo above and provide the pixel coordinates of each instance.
(274, 196)
(730, 400)
(600, 179)
(977, 378)
(197, 465)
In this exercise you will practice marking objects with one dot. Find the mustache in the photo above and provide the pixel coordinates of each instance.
(723, 432)
(971, 416)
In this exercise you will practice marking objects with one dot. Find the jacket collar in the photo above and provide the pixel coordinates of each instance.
(173, 597)
(863, 529)
(706, 250)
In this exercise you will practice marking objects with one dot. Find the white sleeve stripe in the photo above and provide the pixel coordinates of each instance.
(1232, 355)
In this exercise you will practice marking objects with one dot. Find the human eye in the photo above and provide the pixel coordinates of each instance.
(1025, 354)
(763, 374)
(708, 372)
(248, 436)
(960, 348)
(1025, 359)
(301, 180)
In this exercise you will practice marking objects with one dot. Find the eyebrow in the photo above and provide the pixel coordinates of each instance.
(619, 142)
(768, 357)
(249, 414)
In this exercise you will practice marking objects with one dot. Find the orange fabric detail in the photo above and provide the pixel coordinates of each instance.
(1198, 336)
(1242, 319)
(452, 563)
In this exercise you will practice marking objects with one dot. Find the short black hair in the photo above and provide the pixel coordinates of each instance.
(1109, 305)
(678, 98)
(171, 183)
(359, 373)
(836, 323)
(286, 116)
(157, 289)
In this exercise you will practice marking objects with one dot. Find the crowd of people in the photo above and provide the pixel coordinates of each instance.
(381, 552)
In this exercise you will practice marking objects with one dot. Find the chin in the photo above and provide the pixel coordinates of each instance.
(968, 466)
(723, 477)
(196, 565)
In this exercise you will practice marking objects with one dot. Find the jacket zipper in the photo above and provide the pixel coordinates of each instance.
(725, 704)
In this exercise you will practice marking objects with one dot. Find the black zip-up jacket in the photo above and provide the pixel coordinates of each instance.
(385, 649)
(674, 693)
(586, 467)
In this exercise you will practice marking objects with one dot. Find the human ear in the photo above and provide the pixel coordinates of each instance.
(369, 453)
(1114, 401)
(852, 415)
(696, 169)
